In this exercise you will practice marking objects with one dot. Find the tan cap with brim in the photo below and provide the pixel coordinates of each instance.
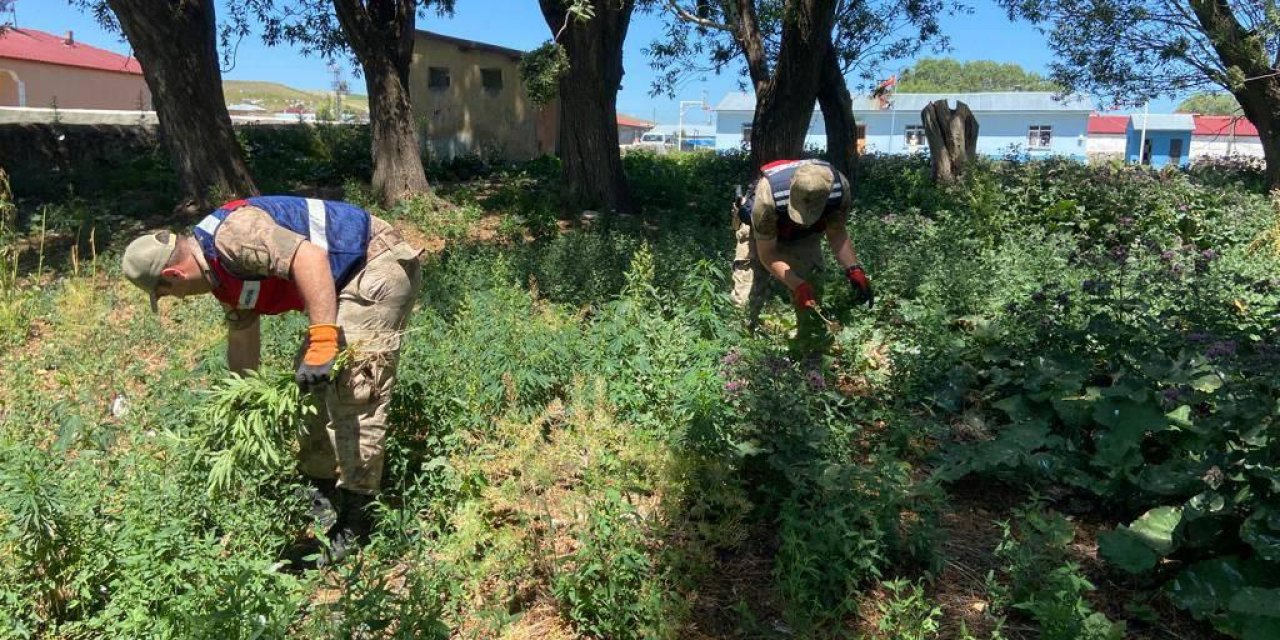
(145, 258)
(810, 189)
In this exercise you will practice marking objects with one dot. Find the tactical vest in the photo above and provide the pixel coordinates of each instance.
(779, 175)
(339, 228)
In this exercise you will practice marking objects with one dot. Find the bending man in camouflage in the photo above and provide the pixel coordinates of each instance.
(356, 279)
(777, 229)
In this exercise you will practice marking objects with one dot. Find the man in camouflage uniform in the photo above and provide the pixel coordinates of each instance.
(357, 280)
(778, 230)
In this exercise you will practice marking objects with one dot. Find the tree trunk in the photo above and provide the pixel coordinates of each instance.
(1242, 50)
(785, 100)
(953, 138)
(588, 92)
(175, 43)
(837, 115)
(381, 34)
(1260, 102)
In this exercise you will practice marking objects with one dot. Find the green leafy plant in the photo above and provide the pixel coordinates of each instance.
(251, 428)
(907, 615)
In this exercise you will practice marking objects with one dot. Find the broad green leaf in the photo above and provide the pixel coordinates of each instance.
(1175, 478)
(1074, 412)
(1180, 417)
(1207, 383)
(1137, 547)
(1255, 601)
(1126, 550)
(1016, 407)
(1129, 423)
(1261, 627)
(1262, 532)
(1156, 526)
(1207, 587)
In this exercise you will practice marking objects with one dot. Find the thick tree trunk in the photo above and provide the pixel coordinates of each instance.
(175, 43)
(1260, 102)
(837, 115)
(588, 92)
(953, 138)
(1241, 48)
(785, 100)
(381, 34)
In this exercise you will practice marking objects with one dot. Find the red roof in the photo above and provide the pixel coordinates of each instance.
(628, 121)
(38, 46)
(1100, 124)
(1221, 126)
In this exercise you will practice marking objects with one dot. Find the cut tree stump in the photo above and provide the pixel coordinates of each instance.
(953, 138)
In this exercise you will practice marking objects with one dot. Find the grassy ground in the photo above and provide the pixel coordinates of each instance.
(588, 445)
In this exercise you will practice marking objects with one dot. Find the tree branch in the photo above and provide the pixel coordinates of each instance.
(688, 16)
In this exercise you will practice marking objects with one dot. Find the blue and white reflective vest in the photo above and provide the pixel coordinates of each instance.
(779, 175)
(341, 229)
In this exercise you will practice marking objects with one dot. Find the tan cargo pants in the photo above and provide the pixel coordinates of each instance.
(753, 284)
(345, 440)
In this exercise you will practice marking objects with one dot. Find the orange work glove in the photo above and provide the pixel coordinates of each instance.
(803, 297)
(320, 350)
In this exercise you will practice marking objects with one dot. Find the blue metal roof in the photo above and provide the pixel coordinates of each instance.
(978, 102)
(1163, 122)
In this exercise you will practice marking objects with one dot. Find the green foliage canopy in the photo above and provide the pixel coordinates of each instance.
(1210, 103)
(947, 75)
(706, 37)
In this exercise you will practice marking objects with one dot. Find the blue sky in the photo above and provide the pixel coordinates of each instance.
(984, 35)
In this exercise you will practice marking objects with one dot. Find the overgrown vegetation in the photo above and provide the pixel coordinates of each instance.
(588, 444)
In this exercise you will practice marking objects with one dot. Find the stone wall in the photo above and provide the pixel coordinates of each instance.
(54, 160)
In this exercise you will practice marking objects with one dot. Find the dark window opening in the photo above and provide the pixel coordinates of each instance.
(491, 80)
(437, 77)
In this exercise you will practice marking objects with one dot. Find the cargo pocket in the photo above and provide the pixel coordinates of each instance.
(357, 384)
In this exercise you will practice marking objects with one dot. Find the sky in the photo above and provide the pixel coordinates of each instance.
(986, 34)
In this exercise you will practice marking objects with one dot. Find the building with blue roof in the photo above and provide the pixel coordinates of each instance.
(1036, 123)
(1163, 139)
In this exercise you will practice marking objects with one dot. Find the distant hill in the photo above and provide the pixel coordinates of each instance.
(277, 97)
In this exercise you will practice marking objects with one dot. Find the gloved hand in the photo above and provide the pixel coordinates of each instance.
(803, 298)
(862, 291)
(320, 350)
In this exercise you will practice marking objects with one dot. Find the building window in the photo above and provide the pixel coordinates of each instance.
(1175, 151)
(746, 135)
(491, 80)
(437, 77)
(914, 135)
(1039, 136)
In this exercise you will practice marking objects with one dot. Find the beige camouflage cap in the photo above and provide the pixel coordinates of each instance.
(145, 258)
(810, 189)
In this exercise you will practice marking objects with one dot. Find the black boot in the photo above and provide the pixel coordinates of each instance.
(353, 527)
(321, 497)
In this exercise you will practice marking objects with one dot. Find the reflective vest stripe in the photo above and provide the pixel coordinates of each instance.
(317, 219)
(210, 224)
(249, 294)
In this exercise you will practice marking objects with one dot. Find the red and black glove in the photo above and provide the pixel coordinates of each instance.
(861, 285)
(320, 351)
(803, 298)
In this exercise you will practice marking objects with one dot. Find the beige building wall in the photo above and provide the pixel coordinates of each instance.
(72, 87)
(466, 117)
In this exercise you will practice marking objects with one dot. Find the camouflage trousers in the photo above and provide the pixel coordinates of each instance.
(753, 284)
(345, 440)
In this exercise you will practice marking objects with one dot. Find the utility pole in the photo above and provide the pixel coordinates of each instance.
(339, 88)
(1142, 141)
(10, 6)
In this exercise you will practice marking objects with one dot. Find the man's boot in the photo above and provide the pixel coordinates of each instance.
(353, 527)
(321, 496)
